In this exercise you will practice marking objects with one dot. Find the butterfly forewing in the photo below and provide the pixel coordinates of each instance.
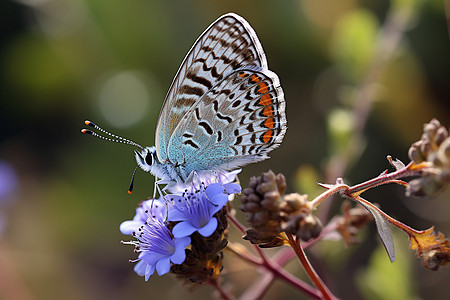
(227, 45)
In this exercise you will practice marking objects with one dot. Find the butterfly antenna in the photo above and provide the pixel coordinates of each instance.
(130, 189)
(115, 138)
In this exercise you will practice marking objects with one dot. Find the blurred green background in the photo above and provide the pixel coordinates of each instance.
(63, 195)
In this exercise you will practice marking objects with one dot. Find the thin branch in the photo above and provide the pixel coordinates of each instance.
(245, 256)
(295, 243)
(258, 288)
(241, 228)
(223, 293)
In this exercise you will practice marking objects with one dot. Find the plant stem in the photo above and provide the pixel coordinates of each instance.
(281, 274)
(275, 270)
(383, 179)
(242, 229)
(224, 294)
(325, 195)
(295, 243)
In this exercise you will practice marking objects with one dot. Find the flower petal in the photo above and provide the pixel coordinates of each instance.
(127, 227)
(163, 266)
(183, 229)
(209, 228)
(214, 189)
(176, 215)
(232, 188)
(231, 176)
(149, 270)
(151, 257)
(179, 255)
(139, 268)
(219, 201)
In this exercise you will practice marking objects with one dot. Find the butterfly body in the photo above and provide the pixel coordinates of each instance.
(224, 109)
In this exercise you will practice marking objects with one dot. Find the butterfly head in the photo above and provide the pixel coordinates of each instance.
(146, 158)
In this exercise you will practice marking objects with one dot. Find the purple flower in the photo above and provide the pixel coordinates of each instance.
(195, 209)
(153, 207)
(8, 183)
(157, 248)
(205, 178)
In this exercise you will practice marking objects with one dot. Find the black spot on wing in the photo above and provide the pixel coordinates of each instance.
(219, 136)
(191, 143)
(197, 114)
(189, 90)
(226, 118)
(207, 127)
(199, 79)
(236, 103)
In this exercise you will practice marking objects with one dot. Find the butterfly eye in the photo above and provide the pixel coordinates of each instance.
(149, 158)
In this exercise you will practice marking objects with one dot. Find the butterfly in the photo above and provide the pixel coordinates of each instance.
(224, 109)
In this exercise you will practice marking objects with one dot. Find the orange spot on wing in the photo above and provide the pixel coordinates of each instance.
(265, 100)
(255, 78)
(242, 74)
(263, 88)
(268, 136)
(268, 111)
(269, 123)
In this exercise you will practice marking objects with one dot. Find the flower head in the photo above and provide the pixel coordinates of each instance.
(206, 178)
(157, 248)
(195, 209)
(152, 207)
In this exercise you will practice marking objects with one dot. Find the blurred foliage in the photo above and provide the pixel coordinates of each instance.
(373, 282)
(64, 61)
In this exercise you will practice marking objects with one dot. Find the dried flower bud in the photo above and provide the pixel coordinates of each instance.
(294, 202)
(423, 186)
(434, 149)
(432, 248)
(261, 201)
(304, 226)
(351, 221)
(270, 212)
(434, 259)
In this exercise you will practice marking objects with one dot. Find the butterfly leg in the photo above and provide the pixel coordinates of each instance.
(162, 194)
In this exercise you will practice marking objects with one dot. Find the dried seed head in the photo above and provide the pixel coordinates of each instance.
(352, 221)
(433, 149)
(435, 259)
(269, 212)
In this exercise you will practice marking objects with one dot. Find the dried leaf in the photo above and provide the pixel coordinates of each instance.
(384, 231)
(397, 164)
(432, 248)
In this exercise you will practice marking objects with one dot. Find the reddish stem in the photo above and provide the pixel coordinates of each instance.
(295, 243)
(243, 230)
(384, 178)
(224, 294)
(274, 268)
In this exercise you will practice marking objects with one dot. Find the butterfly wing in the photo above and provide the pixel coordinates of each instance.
(238, 121)
(226, 45)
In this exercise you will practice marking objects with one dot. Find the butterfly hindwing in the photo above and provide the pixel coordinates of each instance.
(227, 45)
(236, 122)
